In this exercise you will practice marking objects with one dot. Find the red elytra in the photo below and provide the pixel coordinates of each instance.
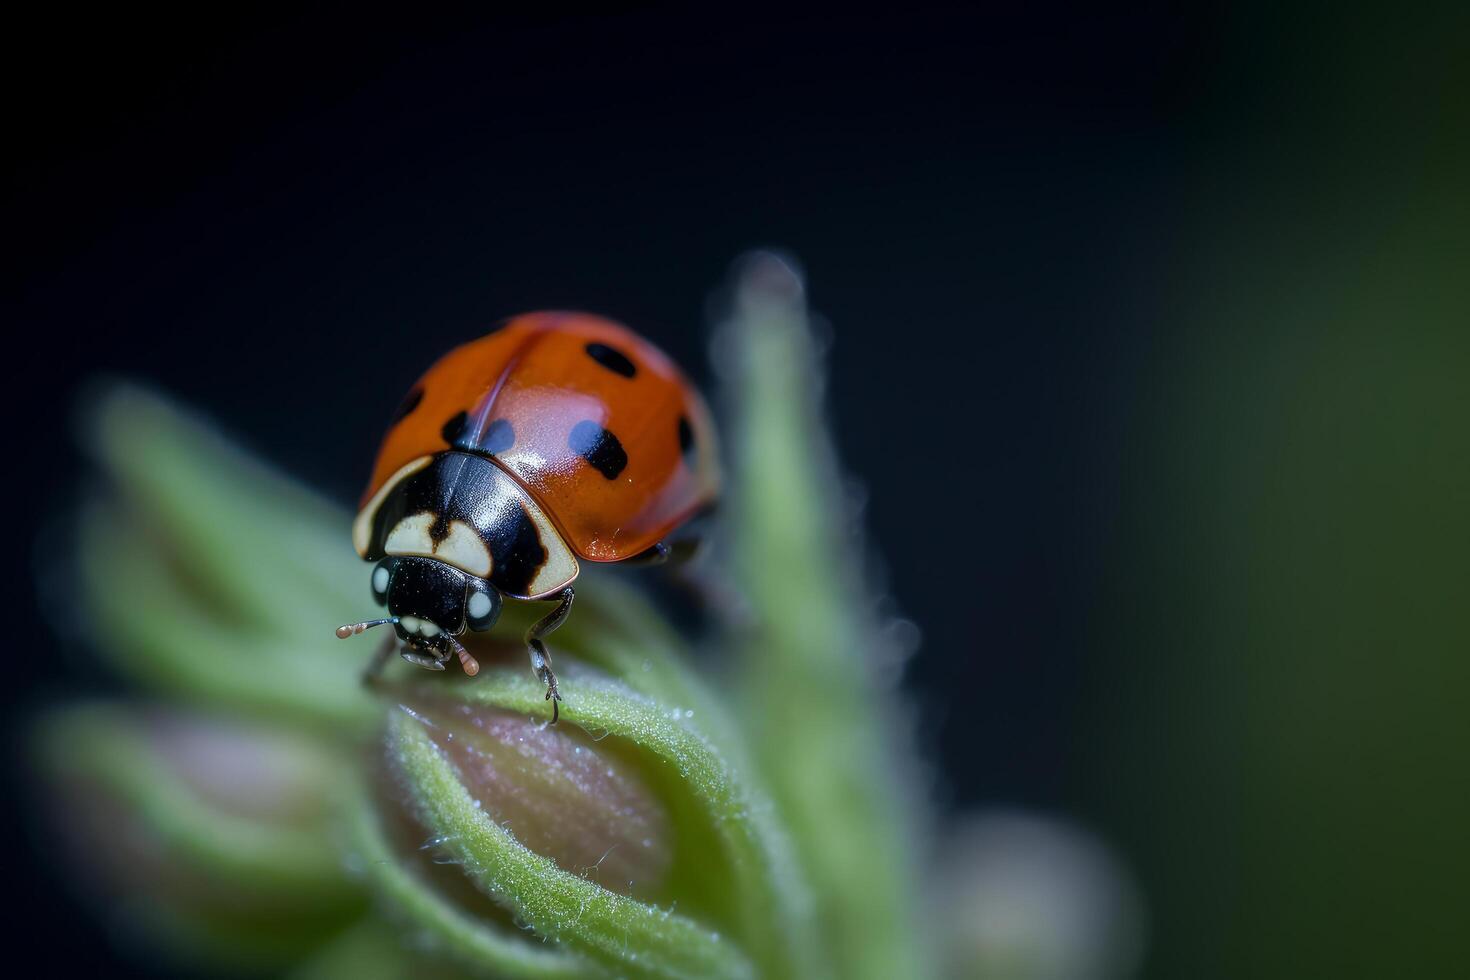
(558, 436)
(545, 375)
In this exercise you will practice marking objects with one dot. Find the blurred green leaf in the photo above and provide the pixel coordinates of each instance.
(215, 577)
(823, 727)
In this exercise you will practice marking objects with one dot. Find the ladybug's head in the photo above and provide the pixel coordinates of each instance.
(430, 603)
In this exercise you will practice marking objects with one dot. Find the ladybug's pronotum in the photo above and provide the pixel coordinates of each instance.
(556, 438)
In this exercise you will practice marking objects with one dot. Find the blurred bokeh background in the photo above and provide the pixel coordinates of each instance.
(1149, 354)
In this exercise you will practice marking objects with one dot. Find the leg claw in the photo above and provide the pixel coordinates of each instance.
(552, 695)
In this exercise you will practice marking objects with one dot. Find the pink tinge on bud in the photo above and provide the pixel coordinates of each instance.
(251, 772)
(561, 793)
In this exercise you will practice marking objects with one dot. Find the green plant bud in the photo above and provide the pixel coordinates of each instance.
(533, 816)
(561, 793)
(210, 574)
(213, 835)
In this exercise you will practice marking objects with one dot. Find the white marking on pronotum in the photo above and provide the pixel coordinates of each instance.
(560, 567)
(479, 606)
(362, 527)
(461, 547)
(464, 549)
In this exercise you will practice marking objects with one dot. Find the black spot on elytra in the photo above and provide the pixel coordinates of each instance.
(686, 440)
(406, 407)
(517, 554)
(599, 447)
(611, 358)
(499, 437)
(453, 430)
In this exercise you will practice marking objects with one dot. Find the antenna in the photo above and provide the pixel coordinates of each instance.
(470, 664)
(352, 629)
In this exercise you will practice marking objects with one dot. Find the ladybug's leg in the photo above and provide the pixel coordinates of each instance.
(540, 656)
(684, 548)
(678, 552)
(655, 555)
(701, 582)
(375, 666)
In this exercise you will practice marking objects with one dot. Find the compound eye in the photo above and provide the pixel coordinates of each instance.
(482, 608)
(382, 575)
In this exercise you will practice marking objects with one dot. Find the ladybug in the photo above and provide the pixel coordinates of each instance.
(555, 439)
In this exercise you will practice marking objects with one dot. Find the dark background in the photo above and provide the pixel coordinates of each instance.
(284, 218)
